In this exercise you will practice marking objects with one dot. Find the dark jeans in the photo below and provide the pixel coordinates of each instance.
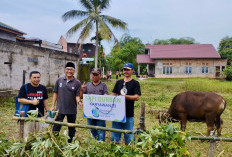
(71, 119)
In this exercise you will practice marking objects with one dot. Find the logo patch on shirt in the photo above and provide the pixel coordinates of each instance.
(60, 85)
(73, 87)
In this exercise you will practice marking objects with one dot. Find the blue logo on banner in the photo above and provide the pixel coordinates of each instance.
(95, 112)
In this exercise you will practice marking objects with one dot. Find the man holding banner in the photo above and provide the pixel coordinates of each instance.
(129, 88)
(95, 87)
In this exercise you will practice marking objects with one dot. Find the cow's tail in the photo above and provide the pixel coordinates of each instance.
(218, 120)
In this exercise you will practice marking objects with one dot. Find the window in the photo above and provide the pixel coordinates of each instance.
(188, 68)
(167, 68)
(147, 52)
(223, 67)
(89, 50)
(204, 68)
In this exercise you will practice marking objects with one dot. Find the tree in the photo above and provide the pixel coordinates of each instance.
(100, 50)
(228, 72)
(225, 49)
(129, 48)
(93, 17)
(173, 41)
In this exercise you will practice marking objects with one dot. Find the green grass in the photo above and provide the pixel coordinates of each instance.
(157, 94)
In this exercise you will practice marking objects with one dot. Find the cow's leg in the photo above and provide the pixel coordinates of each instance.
(183, 122)
(210, 124)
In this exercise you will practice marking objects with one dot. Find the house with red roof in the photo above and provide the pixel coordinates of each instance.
(182, 61)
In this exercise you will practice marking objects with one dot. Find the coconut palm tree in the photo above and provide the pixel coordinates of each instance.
(93, 18)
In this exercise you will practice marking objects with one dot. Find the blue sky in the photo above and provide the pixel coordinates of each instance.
(207, 21)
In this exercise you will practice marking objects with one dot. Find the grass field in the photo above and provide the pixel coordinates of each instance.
(157, 94)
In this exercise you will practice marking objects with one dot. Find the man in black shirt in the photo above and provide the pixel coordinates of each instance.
(129, 88)
(35, 95)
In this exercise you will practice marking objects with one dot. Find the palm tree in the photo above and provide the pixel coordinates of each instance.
(93, 17)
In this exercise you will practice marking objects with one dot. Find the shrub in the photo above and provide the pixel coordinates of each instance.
(228, 72)
(4, 144)
(164, 140)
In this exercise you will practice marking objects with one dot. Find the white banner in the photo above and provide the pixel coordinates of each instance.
(104, 107)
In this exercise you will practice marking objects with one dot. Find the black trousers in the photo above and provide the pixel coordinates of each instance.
(71, 119)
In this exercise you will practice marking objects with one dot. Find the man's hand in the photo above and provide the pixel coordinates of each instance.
(35, 101)
(52, 108)
(80, 103)
(83, 87)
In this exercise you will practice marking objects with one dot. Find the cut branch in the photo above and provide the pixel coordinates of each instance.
(73, 125)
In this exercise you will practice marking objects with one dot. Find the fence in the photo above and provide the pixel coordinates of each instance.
(142, 127)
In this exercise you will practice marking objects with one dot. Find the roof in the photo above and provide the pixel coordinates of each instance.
(182, 51)
(11, 29)
(142, 58)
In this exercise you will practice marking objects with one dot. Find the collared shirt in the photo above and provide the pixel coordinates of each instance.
(67, 92)
(100, 89)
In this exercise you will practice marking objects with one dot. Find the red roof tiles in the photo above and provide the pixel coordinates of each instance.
(142, 58)
(182, 51)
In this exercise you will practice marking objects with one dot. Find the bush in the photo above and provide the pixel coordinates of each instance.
(164, 140)
(228, 72)
(4, 144)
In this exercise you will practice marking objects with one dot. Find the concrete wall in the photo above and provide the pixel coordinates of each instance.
(17, 57)
(178, 67)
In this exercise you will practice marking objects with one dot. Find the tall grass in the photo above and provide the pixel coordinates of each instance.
(159, 92)
(209, 85)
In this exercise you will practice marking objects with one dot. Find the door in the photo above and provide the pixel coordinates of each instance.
(151, 70)
(217, 71)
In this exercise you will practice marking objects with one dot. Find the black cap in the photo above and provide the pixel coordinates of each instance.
(70, 64)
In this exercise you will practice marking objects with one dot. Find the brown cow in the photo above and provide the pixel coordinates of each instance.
(196, 106)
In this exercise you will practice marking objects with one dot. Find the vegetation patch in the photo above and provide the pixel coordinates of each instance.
(164, 140)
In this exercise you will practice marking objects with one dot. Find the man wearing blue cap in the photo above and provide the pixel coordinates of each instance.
(129, 88)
